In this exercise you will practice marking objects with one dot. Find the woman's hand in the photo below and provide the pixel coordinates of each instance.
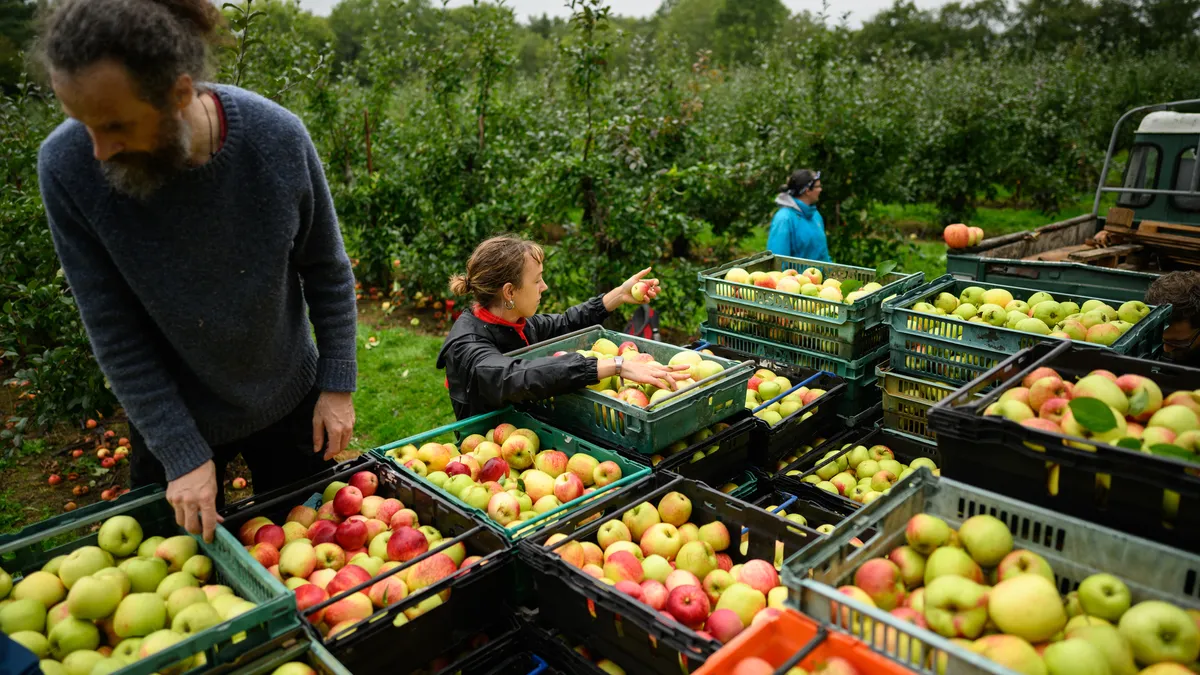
(636, 291)
(663, 377)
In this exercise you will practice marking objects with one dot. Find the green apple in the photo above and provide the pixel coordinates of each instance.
(195, 618)
(1176, 417)
(182, 598)
(82, 662)
(956, 607)
(1015, 317)
(966, 310)
(1159, 631)
(26, 614)
(925, 533)
(1048, 312)
(177, 550)
(1028, 606)
(83, 561)
(972, 295)
(950, 561)
(107, 665)
(1038, 298)
(5, 584)
(1092, 318)
(145, 573)
(115, 576)
(1104, 596)
(140, 614)
(53, 564)
(743, 600)
(331, 490)
(127, 649)
(120, 536)
(160, 640)
(52, 667)
(1133, 311)
(1108, 640)
(986, 538)
(149, 546)
(1017, 306)
(42, 586)
(93, 598)
(946, 302)
(72, 635)
(174, 582)
(994, 315)
(1068, 308)
(1074, 655)
(1032, 325)
(33, 641)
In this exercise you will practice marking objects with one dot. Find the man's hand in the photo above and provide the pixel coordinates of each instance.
(194, 496)
(333, 417)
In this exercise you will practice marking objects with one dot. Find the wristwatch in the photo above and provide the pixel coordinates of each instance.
(619, 361)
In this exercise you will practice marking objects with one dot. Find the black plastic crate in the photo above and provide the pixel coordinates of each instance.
(777, 441)
(712, 460)
(1148, 495)
(481, 594)
(625, 629)
(535, 650)
(906, 449)
(780, 496)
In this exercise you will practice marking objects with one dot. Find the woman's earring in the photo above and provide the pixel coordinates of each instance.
(509, 304)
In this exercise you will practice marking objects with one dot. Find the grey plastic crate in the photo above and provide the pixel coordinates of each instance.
(1075, 549)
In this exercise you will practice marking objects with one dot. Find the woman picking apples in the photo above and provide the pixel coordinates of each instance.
(797, 230)
(504, 275)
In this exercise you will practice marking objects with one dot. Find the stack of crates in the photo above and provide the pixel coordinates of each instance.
(751, 315)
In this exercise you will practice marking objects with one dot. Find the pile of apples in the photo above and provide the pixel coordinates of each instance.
(1142, 418)
(101, 608)
(1095, 322)
(642, 395)
(695, 439)
(766, 385)
(354, 536)
(506, 473)
(958, 235)
(799, 452)
(862, 474)
(972, 587)
(657, 557)
(810, 282)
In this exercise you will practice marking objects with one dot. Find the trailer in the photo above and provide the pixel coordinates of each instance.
(1154, 227)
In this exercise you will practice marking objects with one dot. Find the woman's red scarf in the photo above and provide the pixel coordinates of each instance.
(485, 316)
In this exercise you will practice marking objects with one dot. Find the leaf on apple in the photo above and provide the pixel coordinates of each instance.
(850, 285)
(1129, 443)
(1093, 415)
(885, 268)
(1170, 450)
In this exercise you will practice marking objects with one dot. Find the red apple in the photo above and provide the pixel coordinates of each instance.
(568, 487)
(406, 543)
(348, 610)
(630, 588)
(724, 625)
(403, 518)
(654, 594)
(759, 575)
(689, 605)
(326, 512)
(305, 515)
(681, 578)
(366, 483)
(387, 509)
(348, 577)
(249, 528)
(387, 591)
(321, 578)
(264, 553)
(352, 533)
(322, 532)
(348, 501)
(309, 595)
(271, 534)
(493, 470)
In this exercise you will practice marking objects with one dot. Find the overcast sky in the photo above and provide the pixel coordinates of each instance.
(858, 9)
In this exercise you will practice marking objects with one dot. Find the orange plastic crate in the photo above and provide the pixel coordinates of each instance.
(780, 638)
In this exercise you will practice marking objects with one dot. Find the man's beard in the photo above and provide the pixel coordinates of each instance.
(141, 174)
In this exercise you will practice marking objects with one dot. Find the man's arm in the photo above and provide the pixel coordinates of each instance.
(117, 329)
(329, 291)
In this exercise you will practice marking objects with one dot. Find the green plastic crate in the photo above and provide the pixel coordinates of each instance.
(810, 336)
(847, 370)
(801, 310)
(298, 647)
(647, 430)
(274, 615)
(958, 351)
(1053, 277)
(549, 437)
(907, 400)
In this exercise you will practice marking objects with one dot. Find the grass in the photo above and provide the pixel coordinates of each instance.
(400, 390)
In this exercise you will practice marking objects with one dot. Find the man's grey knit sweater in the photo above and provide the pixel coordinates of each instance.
(195, 300)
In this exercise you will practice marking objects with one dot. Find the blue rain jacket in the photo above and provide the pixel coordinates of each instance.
(797, 231)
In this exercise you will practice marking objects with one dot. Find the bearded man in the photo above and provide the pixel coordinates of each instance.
(197, 233)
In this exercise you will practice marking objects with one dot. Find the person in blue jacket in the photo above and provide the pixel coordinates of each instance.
(797, 230)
